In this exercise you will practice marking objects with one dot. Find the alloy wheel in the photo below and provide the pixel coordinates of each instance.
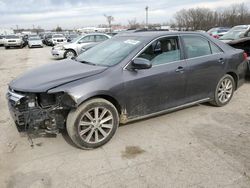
(95, 125)
(70, 54)
(225, 90)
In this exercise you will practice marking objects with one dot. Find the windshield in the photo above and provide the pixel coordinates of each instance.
(12, 37)
(73, 36)
(110, 52)
(76, 39)
(57, 36)
(34, 38)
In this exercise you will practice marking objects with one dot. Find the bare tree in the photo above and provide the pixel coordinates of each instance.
(109, 19)
(204, 18)
(133, 24)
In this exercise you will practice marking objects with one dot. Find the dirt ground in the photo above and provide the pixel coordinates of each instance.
(201, 146)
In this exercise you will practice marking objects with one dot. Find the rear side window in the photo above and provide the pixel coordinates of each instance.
(196, 46)
(90, 38)
(100, 38)
(215, 49)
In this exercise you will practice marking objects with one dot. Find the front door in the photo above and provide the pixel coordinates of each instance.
(161, 87)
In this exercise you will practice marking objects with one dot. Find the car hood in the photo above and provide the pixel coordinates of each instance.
(35, 41)
(46, 77)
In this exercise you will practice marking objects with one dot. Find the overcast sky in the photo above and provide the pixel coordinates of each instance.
(80, 13)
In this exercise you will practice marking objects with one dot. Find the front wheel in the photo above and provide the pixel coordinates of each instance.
(93, 123)
(224, 91)
(69, 54)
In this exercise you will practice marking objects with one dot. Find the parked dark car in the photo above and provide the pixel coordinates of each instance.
(126, 78)
(48, 40)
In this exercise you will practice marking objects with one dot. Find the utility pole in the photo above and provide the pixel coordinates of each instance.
(146, 16)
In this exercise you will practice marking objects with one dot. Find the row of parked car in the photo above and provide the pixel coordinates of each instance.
(237, 37)
(71, 45)
(34, 40)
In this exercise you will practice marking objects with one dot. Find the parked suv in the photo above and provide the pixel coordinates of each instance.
(129, 77)
(13, 41)
(35, 41)
(58, 39)
(74, 48)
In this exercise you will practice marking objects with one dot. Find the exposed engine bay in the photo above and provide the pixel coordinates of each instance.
(39, 111)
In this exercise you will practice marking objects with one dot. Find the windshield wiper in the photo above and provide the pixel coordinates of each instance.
(89, 63)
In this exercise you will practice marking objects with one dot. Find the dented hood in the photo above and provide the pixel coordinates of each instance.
(46, 77)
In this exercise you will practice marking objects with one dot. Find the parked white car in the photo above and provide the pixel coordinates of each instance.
(35, 41)
(58, 39)
(74, 48)
(236, 33)
(13, 41)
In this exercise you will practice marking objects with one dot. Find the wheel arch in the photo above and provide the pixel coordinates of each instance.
(235, 77)
(71, 49)
(107, 97)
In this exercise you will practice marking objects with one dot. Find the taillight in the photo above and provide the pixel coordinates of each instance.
(245, 56)
(216, 36)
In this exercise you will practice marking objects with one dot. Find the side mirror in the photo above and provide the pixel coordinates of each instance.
(141, 63)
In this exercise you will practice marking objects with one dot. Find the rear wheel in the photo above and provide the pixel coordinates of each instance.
(69, 54)
(7, 47)
(224, 91)
(93, 123)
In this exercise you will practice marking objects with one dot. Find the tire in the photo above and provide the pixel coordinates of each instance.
(69, 54)
(84, 136)
(224, 91)
(7, 47)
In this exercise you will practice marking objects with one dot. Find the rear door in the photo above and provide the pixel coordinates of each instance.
(205, 62)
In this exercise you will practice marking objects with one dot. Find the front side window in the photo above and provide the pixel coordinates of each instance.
(162, 51)
(196, 46)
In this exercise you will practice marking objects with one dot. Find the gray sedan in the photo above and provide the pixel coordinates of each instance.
(129, 77)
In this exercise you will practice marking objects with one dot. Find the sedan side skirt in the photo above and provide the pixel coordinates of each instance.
(124, 120)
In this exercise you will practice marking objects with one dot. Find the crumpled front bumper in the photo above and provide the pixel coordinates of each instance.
(39, 112)
(57, 53)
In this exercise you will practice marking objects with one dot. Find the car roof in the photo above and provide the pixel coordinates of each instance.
(156, 34)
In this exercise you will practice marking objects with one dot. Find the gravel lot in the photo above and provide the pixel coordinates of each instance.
(201, 146)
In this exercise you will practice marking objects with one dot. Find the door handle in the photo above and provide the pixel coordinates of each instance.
(180, 69)
(221, 60)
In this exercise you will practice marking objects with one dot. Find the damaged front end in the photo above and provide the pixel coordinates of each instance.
(39, 111)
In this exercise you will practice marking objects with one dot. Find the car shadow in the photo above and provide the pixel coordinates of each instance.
(67, 138)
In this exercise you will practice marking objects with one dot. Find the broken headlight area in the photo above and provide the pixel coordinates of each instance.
(39, 111)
